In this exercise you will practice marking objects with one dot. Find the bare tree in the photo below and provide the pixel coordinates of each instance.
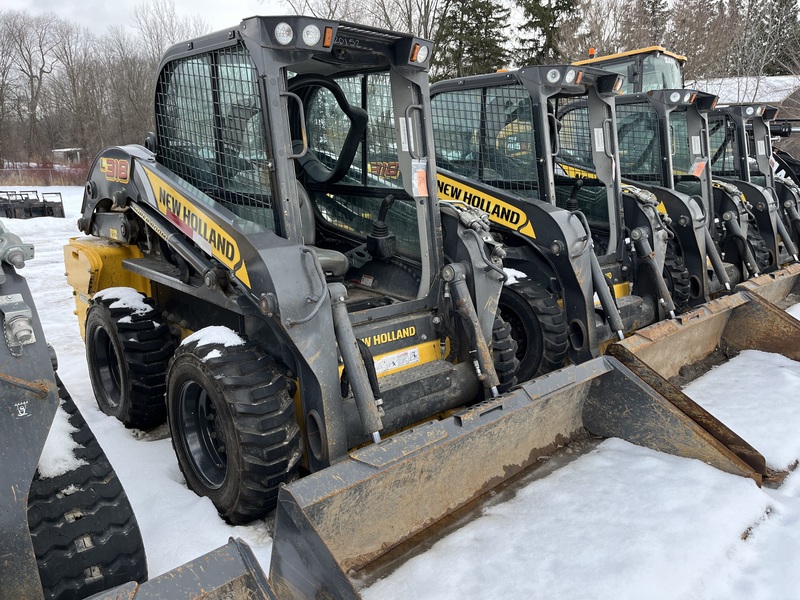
(33, 41)
(596, 24)
(6, 83)
(159, 26)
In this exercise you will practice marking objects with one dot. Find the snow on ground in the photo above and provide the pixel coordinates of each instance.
(619, 522)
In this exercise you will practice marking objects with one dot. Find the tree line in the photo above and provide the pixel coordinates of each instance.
(61, 85)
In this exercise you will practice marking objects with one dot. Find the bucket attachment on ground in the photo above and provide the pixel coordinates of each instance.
(781, 287)
(342, 518)
(230, 571)
(679, 351)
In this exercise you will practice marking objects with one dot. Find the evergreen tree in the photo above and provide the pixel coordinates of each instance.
(541, 30)
(471, 39)
(644, 23)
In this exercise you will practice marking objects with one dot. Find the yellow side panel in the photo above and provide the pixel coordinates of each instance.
(92, 265)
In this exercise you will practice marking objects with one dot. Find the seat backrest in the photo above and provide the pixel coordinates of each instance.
(308, 222)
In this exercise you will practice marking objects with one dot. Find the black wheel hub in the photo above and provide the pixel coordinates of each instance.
(202, 435)
(105, 363)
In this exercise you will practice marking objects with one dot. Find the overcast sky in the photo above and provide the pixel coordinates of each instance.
(99, 14)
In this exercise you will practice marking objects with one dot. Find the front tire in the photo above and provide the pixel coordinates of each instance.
(538, 325)
(231, 415)
(127, 351)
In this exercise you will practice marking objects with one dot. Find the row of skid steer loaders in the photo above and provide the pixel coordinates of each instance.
(274, 273)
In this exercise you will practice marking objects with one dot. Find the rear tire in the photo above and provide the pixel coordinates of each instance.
(676, 276)
(128, 352)
(85, 535)
(759, 249)
(538, 325)
(232, 419)
(504, 354)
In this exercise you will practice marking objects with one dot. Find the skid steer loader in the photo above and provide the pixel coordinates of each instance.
(573, 232)
(741, 142)
(671, 126)
(644, 69)
(336, 321)
(654, 68)
(649, 128)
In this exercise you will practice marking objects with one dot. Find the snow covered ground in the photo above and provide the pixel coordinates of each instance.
(619, 522)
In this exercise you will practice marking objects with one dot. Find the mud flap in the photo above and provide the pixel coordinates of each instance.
(340, 519)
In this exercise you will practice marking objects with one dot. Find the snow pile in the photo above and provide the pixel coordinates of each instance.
(735, 90)
(125, 297)
(216, 334)
(755, 394)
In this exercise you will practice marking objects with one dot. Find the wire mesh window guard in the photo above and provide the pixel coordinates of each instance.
(210, 130)
(488, 135)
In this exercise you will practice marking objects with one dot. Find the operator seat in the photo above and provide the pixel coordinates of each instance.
(333, 263)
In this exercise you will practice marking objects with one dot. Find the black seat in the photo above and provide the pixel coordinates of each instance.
(333, 263)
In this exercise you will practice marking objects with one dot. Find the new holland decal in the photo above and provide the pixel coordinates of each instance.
(185, 215)
(500, 212)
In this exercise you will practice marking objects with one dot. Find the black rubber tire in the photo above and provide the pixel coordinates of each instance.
(85, 535)
(254, 416)
(128, 354)
(538, 325)
(676, 276)
(759, 249)
(504, 354)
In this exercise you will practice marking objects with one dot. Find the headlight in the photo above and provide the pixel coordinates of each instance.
(570, 76)
(686, 97)
(422, 55)
(749, 111)
(675, 97)
(311, 35)
(553, 75)
(284, 33)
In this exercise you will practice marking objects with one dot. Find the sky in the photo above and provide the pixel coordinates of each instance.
(618, 522)
(98, 15)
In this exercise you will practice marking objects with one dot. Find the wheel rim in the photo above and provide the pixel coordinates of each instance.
(529, 338)
(105, 363)
(201, 434)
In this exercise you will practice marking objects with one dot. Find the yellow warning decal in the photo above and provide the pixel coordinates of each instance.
(500, 212)
(187, 217)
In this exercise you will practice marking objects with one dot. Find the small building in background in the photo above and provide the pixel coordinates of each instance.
(68, 156)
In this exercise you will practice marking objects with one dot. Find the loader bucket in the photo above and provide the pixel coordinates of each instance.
(680, 350)
(781, 287)
(230, 571)
(337, 521)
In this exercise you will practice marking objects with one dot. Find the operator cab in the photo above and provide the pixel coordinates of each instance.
(645, 69)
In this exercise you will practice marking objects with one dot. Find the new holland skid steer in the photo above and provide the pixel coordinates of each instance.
(741, 145)
(654, 68)
(275, 273)
(663, 139)
(552, 188)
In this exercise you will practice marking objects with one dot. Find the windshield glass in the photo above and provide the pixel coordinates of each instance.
(351, 203)
(660, 72)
